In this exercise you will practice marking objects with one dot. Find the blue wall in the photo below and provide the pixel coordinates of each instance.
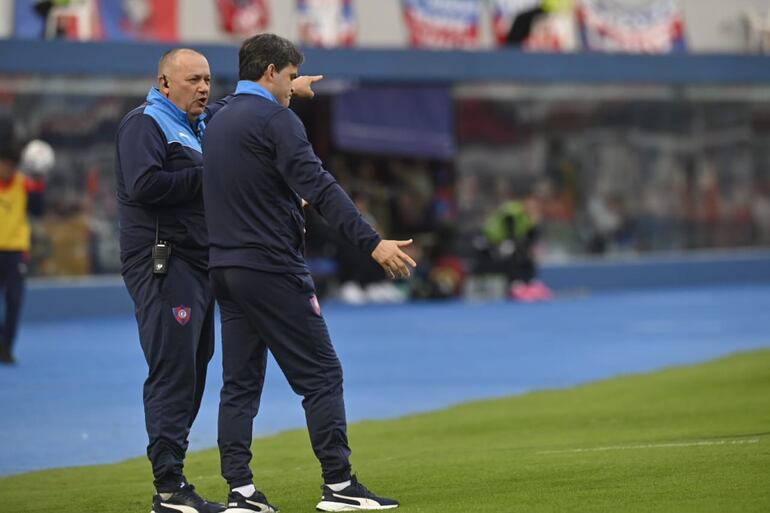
(105, 297)
(55, 299)
(134, 59)
(695, 269)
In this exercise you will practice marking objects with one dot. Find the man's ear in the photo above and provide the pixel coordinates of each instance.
(271, 71)
(163, 84)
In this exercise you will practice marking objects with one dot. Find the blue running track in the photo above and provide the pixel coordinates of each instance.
(75, 397)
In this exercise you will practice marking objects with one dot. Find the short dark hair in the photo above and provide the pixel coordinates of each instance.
(262, 50)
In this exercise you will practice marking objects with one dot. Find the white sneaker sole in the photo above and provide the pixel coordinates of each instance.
(338, 506)
(181, 509)
(244, 510)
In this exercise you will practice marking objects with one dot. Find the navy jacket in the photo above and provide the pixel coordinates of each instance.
(258, 165)
(158, 165)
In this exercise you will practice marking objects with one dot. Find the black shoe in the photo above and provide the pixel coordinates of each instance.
(237, 503)
(185, 500)
(353, 498)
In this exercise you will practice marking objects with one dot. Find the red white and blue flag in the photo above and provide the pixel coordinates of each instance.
(443, 23)
(96, 20)
(326, 23)
(655, 27)
(243, 18)
(139, 20)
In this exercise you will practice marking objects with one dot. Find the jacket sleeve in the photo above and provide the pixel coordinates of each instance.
(141, 156)
(303, 172)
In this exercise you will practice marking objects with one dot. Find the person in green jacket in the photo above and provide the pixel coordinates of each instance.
(512, 231)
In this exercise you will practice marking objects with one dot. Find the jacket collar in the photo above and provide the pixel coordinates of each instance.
(157, 99)
(250, 87)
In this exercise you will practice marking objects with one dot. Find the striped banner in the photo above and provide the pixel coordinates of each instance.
(244, 18)
(656, 27)
(442, 23)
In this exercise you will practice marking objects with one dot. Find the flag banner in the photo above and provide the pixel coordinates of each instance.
(442, 23)
(27, 23)
(412, 121)
(326, 23)
(244, 18)
(504, 12)
(97, 20)
(552, 33)
(656, 27)
(139, 20)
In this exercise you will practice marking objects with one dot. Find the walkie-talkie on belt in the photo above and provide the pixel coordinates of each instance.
(161, 252)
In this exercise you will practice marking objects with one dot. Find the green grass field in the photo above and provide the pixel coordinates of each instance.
(693, 439)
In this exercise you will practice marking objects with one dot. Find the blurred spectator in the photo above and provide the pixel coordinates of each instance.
(561, 188)
(411, 206)
(756, 29)
(511, 233)
(522, 25)
(68, 233)
(548, 26)
(441, 272)
(760, 208)
(608, 226)
(706, 207)
(20, 196)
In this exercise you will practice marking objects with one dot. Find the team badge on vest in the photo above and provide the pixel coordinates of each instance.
(181, 314)
(316, 306)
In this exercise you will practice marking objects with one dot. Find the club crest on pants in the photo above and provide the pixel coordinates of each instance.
(315, 304)
(181, 314)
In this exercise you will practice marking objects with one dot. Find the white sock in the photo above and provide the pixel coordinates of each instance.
(167, 496)
(246, 491)
(336, 487)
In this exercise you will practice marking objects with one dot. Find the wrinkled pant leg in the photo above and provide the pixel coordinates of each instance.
(280, 308)
(170, 342)
(244, 361)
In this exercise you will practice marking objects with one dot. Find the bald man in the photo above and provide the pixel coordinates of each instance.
(164, 260)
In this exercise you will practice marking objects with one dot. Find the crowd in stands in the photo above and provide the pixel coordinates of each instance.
(595, 194)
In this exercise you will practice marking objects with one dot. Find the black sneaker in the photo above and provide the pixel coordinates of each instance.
(257, 502)
(185, 500)
(353, 498)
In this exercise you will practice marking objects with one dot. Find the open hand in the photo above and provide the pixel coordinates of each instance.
(389, 255)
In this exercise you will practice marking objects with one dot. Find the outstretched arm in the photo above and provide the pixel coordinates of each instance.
(303, 172)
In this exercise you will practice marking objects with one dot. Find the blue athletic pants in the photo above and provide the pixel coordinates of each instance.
(264, 311)
(175, 316)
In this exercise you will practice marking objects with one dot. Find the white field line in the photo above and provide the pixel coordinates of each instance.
(667, 445)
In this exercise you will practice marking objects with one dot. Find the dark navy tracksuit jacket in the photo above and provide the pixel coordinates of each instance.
(158, 175)
(258, 166)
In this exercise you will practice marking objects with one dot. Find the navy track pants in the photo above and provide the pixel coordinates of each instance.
(264, 311)
(175, 315)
